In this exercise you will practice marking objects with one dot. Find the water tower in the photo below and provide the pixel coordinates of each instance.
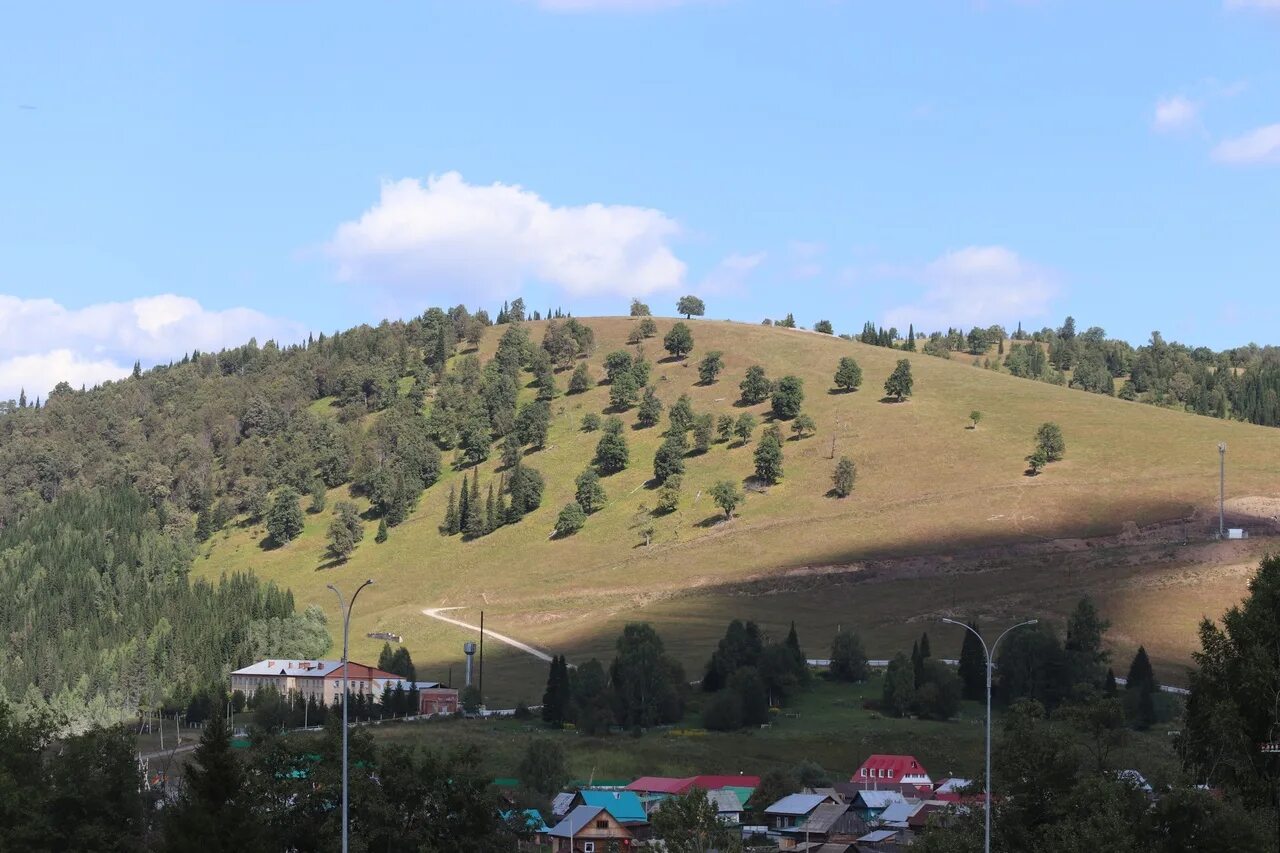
(469, 649)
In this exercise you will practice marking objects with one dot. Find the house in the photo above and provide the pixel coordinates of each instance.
(869, 804)
(437, 700)
(531, 820)
(849, 791)
(896, 815)
(623, 806)
(728, 806)
(793, 810)
(318, 679)
(589, 829)
(935, 810)
(826, 823)
(894, 770)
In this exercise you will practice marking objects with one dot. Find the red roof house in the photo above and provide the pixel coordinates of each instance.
(893, 770)
(670, 785)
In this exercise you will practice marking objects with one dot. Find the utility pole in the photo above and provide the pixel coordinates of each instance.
(480, 681)
(1222, 489)
(345, 609)
(990, 655)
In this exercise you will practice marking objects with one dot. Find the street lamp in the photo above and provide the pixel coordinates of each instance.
(345, 610)
(990, 653)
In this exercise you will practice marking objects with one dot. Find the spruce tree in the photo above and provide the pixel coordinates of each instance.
(476, 519)
(450, 525)
(491, 510)
(214, 813)
(382, 531)
(768, 459)
(464, 507)
(650, 411)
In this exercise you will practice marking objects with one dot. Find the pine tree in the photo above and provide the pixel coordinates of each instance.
(450, 525)
(382, 531)
(213, 814)
(1110, 686)
(500, 512)
(910, 343)
(768, 459)
(491, 510)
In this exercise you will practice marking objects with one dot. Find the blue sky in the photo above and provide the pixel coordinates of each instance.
(191, 174)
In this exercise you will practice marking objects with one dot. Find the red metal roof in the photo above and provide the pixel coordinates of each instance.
(661, 785)
(715, 783)
(890, 767)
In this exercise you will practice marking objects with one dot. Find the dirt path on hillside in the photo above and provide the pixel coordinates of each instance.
(437, 613)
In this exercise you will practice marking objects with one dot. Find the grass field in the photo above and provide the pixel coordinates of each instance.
(830, 727)
(927, 485)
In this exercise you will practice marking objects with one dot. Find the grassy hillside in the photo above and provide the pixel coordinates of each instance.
(926, 485)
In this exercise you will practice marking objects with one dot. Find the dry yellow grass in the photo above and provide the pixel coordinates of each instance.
(926, 485)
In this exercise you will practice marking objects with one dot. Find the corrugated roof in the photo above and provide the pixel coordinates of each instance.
(562, 803)
(625, 806)
(661, 784)
(879, 799)
(876, 836)
(824, 817)
(898, 813)
(725, 800)
(315, 669)
(574, 821)
(796, 804)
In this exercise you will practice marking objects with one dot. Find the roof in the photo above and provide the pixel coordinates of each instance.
(876, 836)
(920, 819)
(532, 818)
(797, 804)
(725, 800)
(824, 817)
(952, 786)
(895, 766)
(744, 794)
(625, 806)
(879, 799)
(715, 783)
(898, 813)
(575, 821)
(661, 785)
(562, 803)
(315, 669)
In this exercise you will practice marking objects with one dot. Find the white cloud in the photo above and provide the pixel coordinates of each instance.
(977, 285)
(730, 275)
(37, 374)
(43, 343)
(1260, 146)
(613, 5)
(448, 233)
(807, 258)
(1175, 113)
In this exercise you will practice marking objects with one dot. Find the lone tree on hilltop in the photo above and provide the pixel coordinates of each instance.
(1049, 439)
(899, 383)
(639, 309)
(727, 497)
(848, 374)
(843, 477)
(679, 341)
(690, 306)
(824, 327)
(974, 418)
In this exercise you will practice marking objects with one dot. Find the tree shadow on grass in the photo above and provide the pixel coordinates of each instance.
(840, 392)
(331, 563)
(712, 520)
(894, 400)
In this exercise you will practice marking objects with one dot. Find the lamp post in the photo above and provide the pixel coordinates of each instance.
(345, 609)
(989, 652)
(1222, 489)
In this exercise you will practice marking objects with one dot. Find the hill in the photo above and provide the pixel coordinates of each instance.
(926, 485)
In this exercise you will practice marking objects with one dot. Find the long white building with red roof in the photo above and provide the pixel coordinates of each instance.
(891, 770)
(321, 679)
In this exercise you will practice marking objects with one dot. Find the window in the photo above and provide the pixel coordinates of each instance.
(588, 847)
(890, 773)
(602, 824)
(864, 773)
